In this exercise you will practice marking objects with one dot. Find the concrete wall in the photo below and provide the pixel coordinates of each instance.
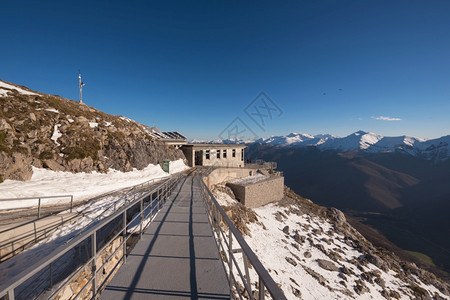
(189, 153)
(259, 193)
(229, 161)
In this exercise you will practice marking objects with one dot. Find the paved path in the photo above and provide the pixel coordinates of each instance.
(177, 257)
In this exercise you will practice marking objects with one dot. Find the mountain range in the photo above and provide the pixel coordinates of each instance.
(361, 141)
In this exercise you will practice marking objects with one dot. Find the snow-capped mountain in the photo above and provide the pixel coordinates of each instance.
(367, 142)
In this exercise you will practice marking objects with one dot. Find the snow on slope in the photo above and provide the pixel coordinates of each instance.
(357, 140)
(5, 88)
(310, 259)
(290, 139)
(81, 185)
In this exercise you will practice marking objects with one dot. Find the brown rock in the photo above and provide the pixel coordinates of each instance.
(15, 167)
(4, 125)
(327, 265)
(53, 165)
(291, 261)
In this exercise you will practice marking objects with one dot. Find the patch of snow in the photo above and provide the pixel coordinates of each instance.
(70, 120)
(56, 134)
(126, 119)
(52, 110)
(93, 124)
(107, 124)
(251, 179)
(13, 87)
(81, 185)
(177, 166)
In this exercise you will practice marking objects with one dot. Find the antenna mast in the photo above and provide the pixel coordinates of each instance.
(80, 85)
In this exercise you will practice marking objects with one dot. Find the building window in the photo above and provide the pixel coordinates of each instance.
(233, 153)
(218, 153)
(224, 153)
(207, 154)
(242, 154)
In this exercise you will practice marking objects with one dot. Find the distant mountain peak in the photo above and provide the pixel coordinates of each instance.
(360, 132)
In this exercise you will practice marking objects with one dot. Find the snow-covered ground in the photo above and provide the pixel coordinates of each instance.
(251, 179)
(81, 185)
(295, 265)
(8, 87)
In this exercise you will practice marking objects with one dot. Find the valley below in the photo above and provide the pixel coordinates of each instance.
(395, 200)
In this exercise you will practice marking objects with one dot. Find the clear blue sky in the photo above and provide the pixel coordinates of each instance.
(193, 66)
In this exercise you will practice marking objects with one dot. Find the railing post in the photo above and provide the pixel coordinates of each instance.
(159, 198)
(230, 260)
(247, 274)
(142, 218)
(151, 206)
(51, 275)
(71, 203)
(35, 232)
(11, 294)
(39, 208)
(94, 263)
(261, 289)
(124, 236)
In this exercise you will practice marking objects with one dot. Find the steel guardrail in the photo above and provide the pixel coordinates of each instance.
(37, 234)
(115, 226)
(217, 217)
(39, 202)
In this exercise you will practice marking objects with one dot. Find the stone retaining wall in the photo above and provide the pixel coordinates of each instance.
(77, 284)
(259, 193)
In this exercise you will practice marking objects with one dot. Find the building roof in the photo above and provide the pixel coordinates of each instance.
(165, 136)
(215, 145)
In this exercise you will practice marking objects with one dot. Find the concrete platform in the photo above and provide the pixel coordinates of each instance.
(177, 257)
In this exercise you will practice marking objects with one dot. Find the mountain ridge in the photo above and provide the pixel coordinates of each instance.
(48, 131)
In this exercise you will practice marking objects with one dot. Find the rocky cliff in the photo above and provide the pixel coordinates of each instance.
(312, 252)
(51, 132)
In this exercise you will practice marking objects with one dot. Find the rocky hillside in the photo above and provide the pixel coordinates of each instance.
(312, 252)
(51, 132)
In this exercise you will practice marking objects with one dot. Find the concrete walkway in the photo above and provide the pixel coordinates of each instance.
(177, 257)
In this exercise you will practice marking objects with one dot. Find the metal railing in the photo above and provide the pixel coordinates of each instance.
(25, 235)
(226, 235)
(89, 258)
(38, 204)
(18, 243)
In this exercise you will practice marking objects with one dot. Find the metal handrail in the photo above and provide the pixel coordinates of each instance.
(37, 235)
(89, 237)
(40, 198)
(217, 216)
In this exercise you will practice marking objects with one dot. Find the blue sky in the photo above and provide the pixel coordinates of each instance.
(329, 66)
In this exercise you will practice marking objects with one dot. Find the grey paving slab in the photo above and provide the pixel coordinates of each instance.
(177, 257)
